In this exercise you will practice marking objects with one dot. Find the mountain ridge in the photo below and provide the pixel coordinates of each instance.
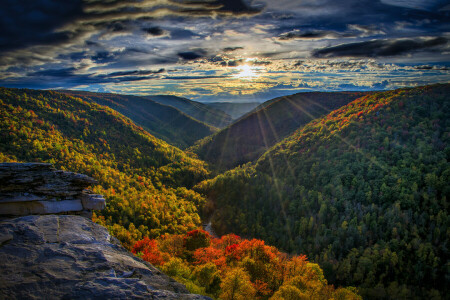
(197, 110)
(165, 122)
(254, 133)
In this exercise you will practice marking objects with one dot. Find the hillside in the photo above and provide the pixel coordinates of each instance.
(146, 182)
(163, 121)
(200, 111)
(362, 191)
(249, 137)
(234, 109)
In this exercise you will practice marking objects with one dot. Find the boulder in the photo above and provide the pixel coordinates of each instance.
(70, 257)
(38, 188)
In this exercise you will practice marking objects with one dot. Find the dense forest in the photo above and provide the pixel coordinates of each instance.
(363, 191)
(200, 111)
(162, 121)
(145, 180)
(232, 268)
(252, 135)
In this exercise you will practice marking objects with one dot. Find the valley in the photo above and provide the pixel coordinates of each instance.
(358, 182)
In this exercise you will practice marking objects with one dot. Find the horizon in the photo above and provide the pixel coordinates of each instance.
(224, 50)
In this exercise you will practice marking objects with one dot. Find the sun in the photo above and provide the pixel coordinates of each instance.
(247, 72)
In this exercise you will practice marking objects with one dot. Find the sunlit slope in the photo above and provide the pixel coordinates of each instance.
(249, 137)
(164, 122)
(197, 110)
(363, 191)
(145, 180)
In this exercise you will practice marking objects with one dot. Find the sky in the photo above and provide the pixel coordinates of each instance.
(223, 50)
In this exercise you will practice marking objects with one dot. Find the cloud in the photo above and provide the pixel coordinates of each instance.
(71, 76)
(231, 49)
(309, 35)
(380, 48)
(155, 30)
(192, 55)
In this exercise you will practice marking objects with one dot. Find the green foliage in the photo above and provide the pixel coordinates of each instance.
(363, 191)
(162, 121)
(146, 181)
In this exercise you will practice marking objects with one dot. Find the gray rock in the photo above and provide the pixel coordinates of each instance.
(93, 201)
(70, 257)
(38, 188)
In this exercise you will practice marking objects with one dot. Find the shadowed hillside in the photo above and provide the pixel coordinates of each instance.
(197, 110)
(249, 137)
(235, 110)
(164, 122)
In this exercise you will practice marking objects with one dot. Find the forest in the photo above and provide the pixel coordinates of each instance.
(363, 191)
(147, 182)
(234, 268)
(348, 201)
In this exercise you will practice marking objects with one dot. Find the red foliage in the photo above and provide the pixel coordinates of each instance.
(149, 250)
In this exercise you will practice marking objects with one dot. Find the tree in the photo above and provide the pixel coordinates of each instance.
(236, 286)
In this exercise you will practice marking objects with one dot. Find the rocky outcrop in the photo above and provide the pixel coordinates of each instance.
(70, 257)
(38, 188)
(46, 256)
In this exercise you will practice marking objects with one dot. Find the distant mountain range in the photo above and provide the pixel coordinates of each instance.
(234, 109)
(202, 112)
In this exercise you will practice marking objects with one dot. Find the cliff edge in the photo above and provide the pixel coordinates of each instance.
(68, 256)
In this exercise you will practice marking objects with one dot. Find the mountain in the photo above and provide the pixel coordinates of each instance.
(146, 182)
(249, 137)
(162, 121)
(235, 110)
(363, 191)
(202, 112)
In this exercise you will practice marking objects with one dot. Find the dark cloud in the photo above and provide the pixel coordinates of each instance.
(70, 77)
(53, 22)
(223, 7)
(378, 48)
(156, 31)
(192, 55)
(434, 68)
(27, 22)
(136, 72)
(180, 34)
(231, 49)
(316, 34)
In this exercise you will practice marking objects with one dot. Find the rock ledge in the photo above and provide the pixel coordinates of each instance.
(70, 257)
(38, 188)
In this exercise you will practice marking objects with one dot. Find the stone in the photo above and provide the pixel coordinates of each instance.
(40, 207)
(38, 188)
(70, 257)
(93, 202)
